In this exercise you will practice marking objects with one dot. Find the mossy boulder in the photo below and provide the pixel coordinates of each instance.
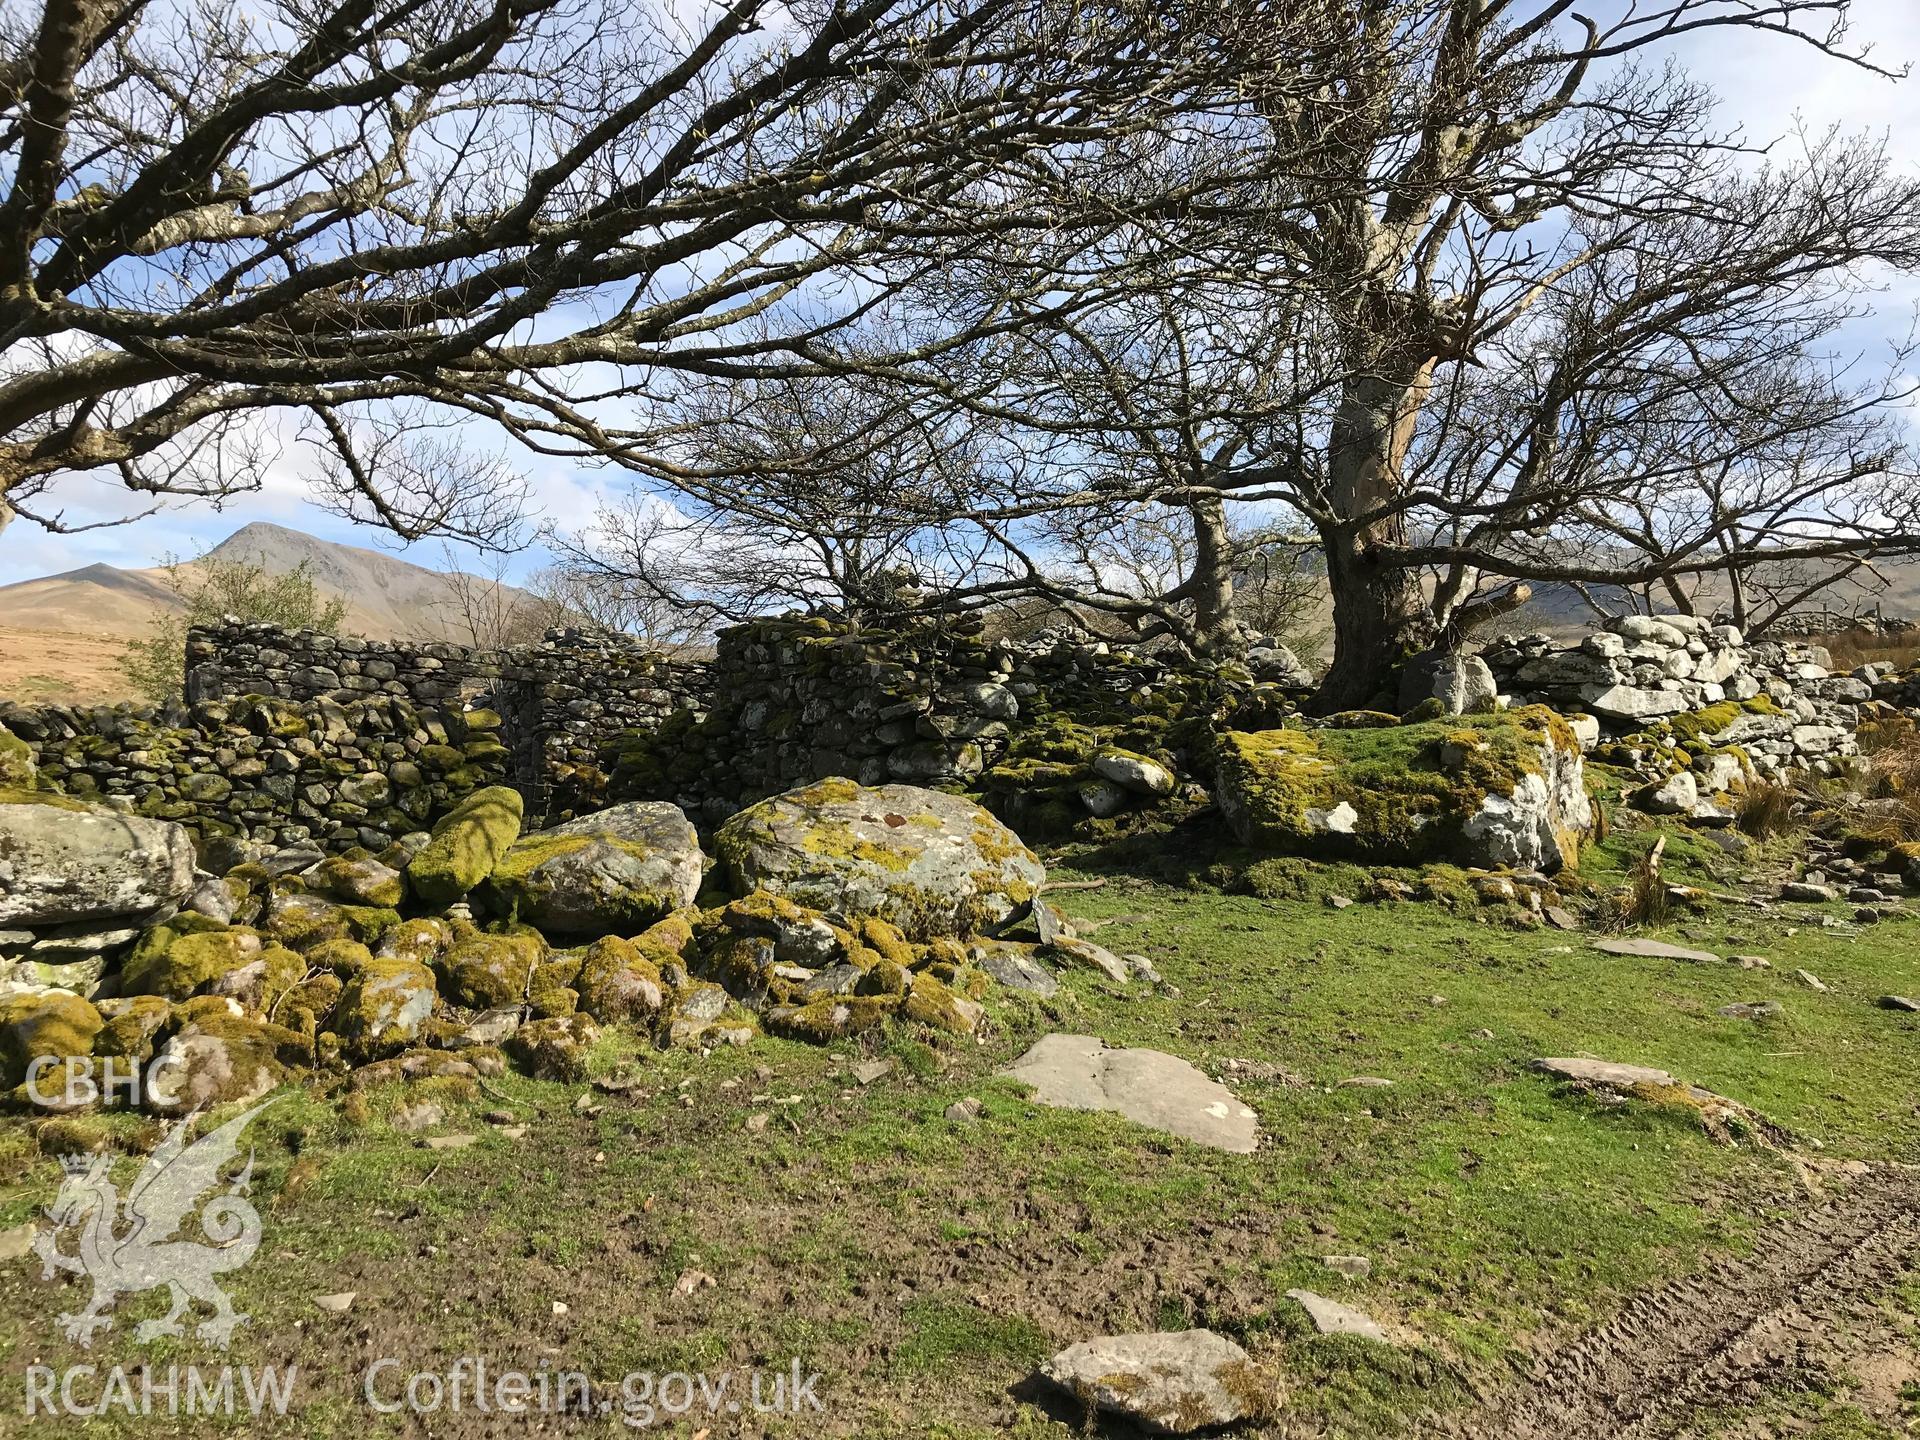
(384, 1006)
(356, 877)
(132, 1023)
(832, 1019)
(56, 1024)
(466, 845)
(64, 862)
(423, 941)
(1502, 790)
(340, 956)
(487, 971)
(609, 873)
(554, 1049)
(800, 936)
(16, 762)
(619, 981)
(302, 921)
(934, 1004)
(219, 1056)
(929, 862)
(179, 967)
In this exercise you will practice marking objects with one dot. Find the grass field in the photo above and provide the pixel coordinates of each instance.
(50, 667)
(922, 1266)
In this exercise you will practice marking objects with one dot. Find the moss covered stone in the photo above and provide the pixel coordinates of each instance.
(833, 1019)
(384, 1007)
(466, 845)
(420, 940)
(302, 921)
(356, 877)
(928, 862)
(16, 762)
(554, 1049)
(619, 981)
(1488, 790)
(55, 1024)
(132, 1024)
(612, 872)
(341, 956)
(181, 966)
(217, 1056)
(932, 1003)
(488, 971)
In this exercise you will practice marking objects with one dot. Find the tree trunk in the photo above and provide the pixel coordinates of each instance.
(1380, 615)
(1216, 618)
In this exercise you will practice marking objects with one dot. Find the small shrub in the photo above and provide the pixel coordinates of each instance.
(212, 587)
(1850, 649)
(1647, 902)
(1765, 809)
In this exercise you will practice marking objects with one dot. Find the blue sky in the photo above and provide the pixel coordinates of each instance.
(1764, 84)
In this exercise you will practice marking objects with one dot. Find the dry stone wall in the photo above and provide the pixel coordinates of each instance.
(293, 737)
(564, 700)
(1780, 700)
(792, 700)
(253, 773)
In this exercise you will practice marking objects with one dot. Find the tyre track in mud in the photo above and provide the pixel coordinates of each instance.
(1714, 1338)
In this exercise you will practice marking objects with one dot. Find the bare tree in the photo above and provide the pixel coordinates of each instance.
(1499, 304)
(479, 608)
(383, 215)
(1563, 297)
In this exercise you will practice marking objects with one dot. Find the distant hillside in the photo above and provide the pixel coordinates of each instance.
(387, 598)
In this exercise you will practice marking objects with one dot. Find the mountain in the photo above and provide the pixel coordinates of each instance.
(96, 599)
(387, 598)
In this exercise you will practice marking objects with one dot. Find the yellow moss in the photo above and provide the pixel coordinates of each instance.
(342, 956)
(827, 1020)
(840, 842)
(188, 962)
(832, 790)
(58, 1025)
(15, 795)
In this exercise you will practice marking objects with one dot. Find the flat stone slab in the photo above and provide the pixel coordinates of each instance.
(1162, 1092)
(1656, 950)
(1603, 1072)
(1330, 1317)
(1169, 1383)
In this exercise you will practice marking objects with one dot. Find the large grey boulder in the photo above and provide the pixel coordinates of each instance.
(1136, 773)
(1462, 683)
(1633, 702)
(1676, 795)
(1168, 1384)
(932, 863)
(614, 872)
(62, 862)
(1162, 1092)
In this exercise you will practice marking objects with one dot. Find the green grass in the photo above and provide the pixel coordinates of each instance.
(924, 1266)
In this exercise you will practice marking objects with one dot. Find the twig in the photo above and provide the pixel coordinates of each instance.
(500, 1094)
